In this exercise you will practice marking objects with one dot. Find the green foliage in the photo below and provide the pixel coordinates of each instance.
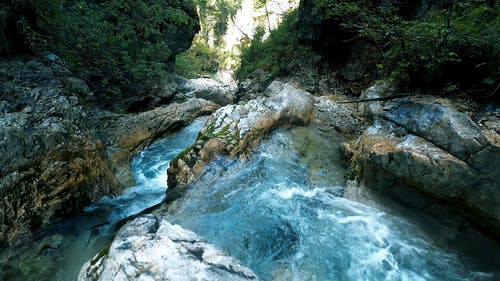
(207, 54)
(457, 44)
(199, 60)
(123, 43)
(275, 54)
(215, 16)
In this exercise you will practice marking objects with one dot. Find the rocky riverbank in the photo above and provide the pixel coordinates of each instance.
(60, 153)
(432, 151)
(152, 247)
(427, 151)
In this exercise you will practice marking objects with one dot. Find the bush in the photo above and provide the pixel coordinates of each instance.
(199, 60)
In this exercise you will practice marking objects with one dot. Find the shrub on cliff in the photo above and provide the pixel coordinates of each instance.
(121, 43)
(199, 60)
(448, 45)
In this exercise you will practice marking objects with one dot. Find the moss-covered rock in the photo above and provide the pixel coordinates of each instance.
(235, 131)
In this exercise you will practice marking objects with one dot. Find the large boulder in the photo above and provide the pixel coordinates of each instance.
(428, 146)
(150, 248)
(234, 131)
(52, 162)
(444, 126)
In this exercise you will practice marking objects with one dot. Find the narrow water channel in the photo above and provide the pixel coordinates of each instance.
(60, 249)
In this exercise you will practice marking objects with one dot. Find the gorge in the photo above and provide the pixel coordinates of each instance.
(328, 142)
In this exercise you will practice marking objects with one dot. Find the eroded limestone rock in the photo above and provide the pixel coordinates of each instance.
(125, 135)
(149, 248)
(234, 131)
(428, 145)
(52, 163)
(205, 88)
(444, 126)
(58, 154)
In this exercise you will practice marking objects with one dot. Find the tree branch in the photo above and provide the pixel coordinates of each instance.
(376, 99)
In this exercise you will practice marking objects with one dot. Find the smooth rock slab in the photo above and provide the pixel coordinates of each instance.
(149, 248)
(446, 127)
(205, 88)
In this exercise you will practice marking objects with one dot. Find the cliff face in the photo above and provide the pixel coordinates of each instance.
(120, 48)
(327, 34)
(52, 163)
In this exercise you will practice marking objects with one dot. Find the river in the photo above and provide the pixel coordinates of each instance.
(287, 213)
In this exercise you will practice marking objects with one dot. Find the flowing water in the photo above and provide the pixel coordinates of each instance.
(286, 213)
(60, 249)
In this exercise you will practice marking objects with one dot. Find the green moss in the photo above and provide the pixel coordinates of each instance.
(452, 48)
(104, 252)
(117, 42)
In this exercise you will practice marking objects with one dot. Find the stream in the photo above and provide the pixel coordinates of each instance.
(59, 250)
(287, 213)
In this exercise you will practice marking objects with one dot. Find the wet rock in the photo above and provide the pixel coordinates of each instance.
(60, 153)
(427, 145)
(444, 126)
(52, 161)
(385, 160)
(125, 135)
(234, 131)
(149, 248)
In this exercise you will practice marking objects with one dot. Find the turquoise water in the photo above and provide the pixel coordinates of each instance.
(60, 249)
(287, 215)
